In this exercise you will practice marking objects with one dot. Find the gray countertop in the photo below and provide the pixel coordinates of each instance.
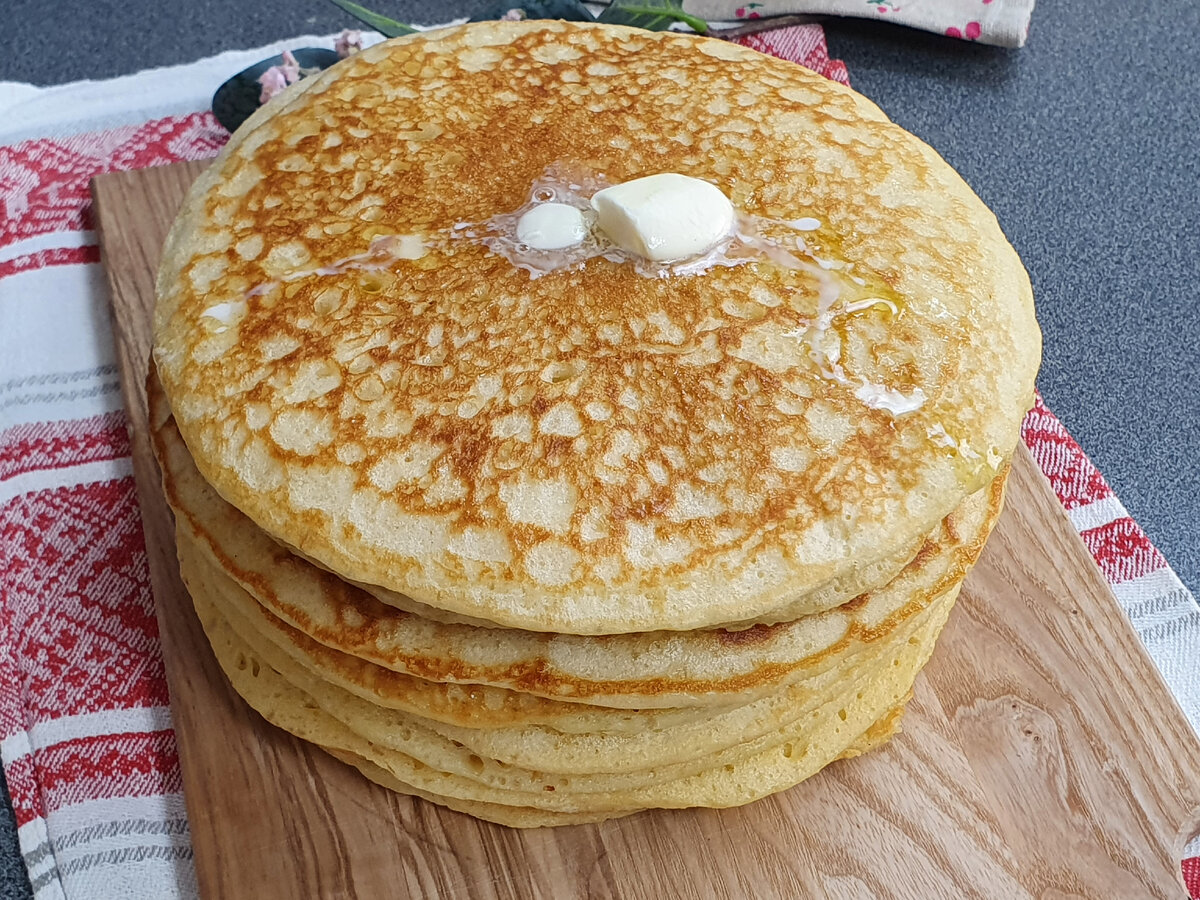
(1086, 144)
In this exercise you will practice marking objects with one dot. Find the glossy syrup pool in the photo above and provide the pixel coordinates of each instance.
(793, 244)
(748, 240)
(801, 244)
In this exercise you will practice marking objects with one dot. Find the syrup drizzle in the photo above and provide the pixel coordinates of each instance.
(747, 242)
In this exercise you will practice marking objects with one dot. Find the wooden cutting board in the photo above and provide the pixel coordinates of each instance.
(1042, 756)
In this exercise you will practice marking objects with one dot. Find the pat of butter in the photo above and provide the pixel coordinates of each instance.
(551, 226)
(876, 396)
(664, 217)
(225, 313)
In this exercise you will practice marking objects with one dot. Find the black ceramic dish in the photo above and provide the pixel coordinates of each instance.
(237, 98)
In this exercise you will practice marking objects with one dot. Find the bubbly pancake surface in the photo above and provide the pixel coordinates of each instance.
(299, 604)
(592, 450)
(578, 742)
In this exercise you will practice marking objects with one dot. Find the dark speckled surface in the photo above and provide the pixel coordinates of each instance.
(1086, 143)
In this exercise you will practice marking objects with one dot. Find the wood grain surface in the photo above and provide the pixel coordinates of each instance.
(1041, 757)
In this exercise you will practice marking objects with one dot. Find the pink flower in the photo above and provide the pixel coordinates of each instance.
(348, 42)
(290, 68)
(276, 78)
(973, 31)
(273, 81)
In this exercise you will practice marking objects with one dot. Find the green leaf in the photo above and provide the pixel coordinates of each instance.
(655, 15)
(385, 26)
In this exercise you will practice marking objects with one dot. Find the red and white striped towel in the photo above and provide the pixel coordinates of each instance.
(85, 725)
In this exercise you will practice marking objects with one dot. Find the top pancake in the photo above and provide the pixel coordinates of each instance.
(592, 447)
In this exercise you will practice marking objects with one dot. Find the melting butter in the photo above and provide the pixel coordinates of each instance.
(552, 226)
(804, 224)
(382, 253)
(636, 227)
(942, 438)
(225, 313)
(556, 230)
(878, 396)
(665, 217)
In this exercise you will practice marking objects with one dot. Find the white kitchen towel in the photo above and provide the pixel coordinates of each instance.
(1004, 23)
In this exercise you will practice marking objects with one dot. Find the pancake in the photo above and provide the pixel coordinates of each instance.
(355, 366)
(512, 816)
(849, 584)
(632, 671)
(186, 484)
(617, 764)
(564, 745)
(798, 751)
(523, 817)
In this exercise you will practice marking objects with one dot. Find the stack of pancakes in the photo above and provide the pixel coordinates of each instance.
(555, 546)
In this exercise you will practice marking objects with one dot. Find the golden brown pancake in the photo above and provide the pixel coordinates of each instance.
(592, 451)
(553, 536)
(296, 603)
(524, 817)
(863, 711)
(574, 750)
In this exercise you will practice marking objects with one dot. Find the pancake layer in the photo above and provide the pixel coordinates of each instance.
(647, 670)
(599, 449)
(552, 536)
